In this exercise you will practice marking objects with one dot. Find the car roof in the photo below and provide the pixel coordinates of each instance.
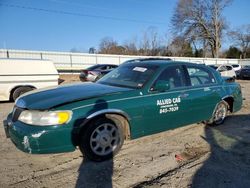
(148, 60)
(158, 62)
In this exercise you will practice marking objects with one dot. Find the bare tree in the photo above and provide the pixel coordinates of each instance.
(201, 20)
(145, 45)
(131, 47)
(150, 43)
(106, 45)
(180, 47)
(110, 46)
(241, 38)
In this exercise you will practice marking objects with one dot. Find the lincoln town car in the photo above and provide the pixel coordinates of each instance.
(141, 97)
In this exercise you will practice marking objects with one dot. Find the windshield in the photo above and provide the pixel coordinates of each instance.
(246, 67)
(131, 76)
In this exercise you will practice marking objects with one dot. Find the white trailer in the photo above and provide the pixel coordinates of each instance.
(18, 76)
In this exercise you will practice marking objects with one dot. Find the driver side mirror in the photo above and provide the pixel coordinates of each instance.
(161, 86)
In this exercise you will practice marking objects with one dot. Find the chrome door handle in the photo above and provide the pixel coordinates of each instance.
(207, 89)
(184, 95)
(216, 90)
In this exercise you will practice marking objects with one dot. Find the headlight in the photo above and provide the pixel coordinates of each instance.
(46, 118)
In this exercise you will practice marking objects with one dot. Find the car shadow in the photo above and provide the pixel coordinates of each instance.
(95, 174)
(229, 162)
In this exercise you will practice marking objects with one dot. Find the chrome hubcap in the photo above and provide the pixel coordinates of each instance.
(220, 113)
(104, 139)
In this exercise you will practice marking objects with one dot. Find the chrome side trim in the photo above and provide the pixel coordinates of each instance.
(108, 111)
(144, 96)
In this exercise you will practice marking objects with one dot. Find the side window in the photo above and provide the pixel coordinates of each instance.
(200, 76)
(108, 67)
(222, 69)
(229, 68)
(173, 76)
(103, 67)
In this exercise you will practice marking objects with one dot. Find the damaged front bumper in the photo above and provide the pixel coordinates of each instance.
(39, 139)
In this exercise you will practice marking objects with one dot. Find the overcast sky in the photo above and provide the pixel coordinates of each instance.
(60, 25)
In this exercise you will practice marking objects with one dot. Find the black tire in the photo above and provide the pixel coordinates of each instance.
(97, 139)
(19, 91)
(219, 115)
(82, 79)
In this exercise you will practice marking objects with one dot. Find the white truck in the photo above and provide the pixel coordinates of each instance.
(18, 76)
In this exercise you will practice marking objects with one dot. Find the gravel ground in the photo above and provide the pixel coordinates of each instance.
(210, 157)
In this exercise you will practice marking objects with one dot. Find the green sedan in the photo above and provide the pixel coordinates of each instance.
(141, 97)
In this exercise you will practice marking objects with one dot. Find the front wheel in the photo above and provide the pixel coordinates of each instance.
(101, 140)
(220, 113)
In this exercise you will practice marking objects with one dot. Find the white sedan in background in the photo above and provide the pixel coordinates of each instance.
(225, 70)
(237, 69)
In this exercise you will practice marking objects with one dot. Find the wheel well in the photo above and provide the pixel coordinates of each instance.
(230, 102)
(14, 88)
(119, 120)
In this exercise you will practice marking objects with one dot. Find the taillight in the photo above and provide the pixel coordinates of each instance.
(84, 71)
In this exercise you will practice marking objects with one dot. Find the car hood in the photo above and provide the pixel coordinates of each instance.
(51, 97)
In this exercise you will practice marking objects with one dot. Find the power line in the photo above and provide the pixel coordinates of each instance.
(80, 14)
(77, 4)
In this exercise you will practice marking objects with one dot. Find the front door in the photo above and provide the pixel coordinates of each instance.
(167, 109)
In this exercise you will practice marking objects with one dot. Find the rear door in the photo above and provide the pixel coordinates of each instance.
(203, 93)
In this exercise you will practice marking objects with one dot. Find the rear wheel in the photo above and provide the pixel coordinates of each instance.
(101, 140)
(19, 91)
(220, 114)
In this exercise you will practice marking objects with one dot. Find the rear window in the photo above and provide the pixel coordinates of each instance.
(94, 67)
(246, 67)
(235, 66)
